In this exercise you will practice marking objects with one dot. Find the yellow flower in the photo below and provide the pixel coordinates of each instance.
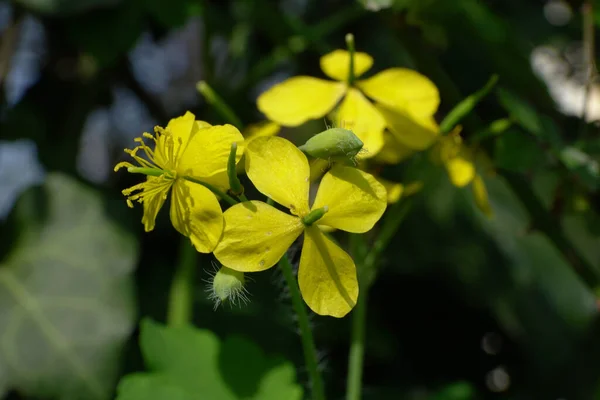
(257, 235)
(393, 151)
(252, 131)
(459, 163)
(185, 148)
(259, 129)
(401, 90)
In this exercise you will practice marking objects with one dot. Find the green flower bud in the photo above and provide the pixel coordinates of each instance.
(228, 285)
(334, 144)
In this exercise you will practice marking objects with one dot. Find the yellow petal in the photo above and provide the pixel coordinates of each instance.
(202, 124)
(318, 167)
(326, 228)
(154, 194)
(208, 151)
(393, 151)
(182, 127)
(300, 99)
(357, 114)
(481, 196)
(280, 171)
(264, 128)
(403, 90)
(174, 138)
(256, 236)
(326, 276)
(196, 213)
(394, 190)
(460, 170)
(355, 199)
(336, 64)
(413, 133)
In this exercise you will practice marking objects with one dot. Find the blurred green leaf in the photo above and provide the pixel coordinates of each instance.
(576, 228)
(66, 304)
(517, 151)
(106, 35)
(582, 165)
(455, 391)
(467, 105)
(65, 7)
(189, 363)
(536, 288)
(521, 111)
(174, 13)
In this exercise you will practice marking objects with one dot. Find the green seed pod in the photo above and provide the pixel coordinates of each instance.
(336, 144)
(228, 285)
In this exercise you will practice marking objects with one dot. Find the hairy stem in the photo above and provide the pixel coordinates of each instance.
(180, 296)
(366, 269)
(308, 344)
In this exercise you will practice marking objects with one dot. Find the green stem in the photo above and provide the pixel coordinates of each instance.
(396, 215)
(308, 344)
(219, 104)
(213, 189)
(181, 293)
(243, 197)
(366, 268)
(467, 105)
(351, 50)
(357, 346)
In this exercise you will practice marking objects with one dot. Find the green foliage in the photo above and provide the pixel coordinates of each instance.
(66, 304)
(517, 151)
(106, 46)
(66, 7)
(466, 106)
(126, 21)
(172, 14)
(188, 363)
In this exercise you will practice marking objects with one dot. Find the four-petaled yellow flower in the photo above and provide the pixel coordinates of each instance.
(401, 94)
(186, 148)
(257, 235)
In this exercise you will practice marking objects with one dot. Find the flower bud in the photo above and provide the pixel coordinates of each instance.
(228, 285)
(335, 144)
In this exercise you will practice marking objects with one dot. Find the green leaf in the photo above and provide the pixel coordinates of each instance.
(65, 7)
(106, 35)
(189, 363)
(517, 151)
(455, 391)
(66, 301)
(174, 13)
(521, 111)
(582, 165)
(467, 105)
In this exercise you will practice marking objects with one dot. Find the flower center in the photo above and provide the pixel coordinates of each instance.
(314, 216)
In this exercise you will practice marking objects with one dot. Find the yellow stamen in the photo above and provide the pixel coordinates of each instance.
(123, 164)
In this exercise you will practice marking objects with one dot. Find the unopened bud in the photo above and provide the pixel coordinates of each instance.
(228, 285)
(334, 144)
